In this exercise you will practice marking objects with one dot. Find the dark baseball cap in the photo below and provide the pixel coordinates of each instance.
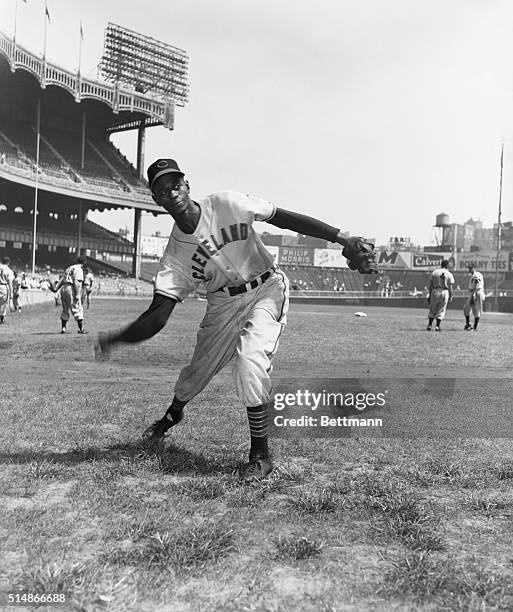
(160, 167)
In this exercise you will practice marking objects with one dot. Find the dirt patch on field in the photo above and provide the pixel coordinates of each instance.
(50, 494)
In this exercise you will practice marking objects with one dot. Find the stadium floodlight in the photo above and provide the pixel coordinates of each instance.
(149, 65)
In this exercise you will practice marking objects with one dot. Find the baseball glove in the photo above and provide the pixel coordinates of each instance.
(360, 255)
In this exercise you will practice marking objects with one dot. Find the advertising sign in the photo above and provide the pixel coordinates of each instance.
(296, 256)
(329, 258)
(484, 261)
(430, 261)
(394, 260)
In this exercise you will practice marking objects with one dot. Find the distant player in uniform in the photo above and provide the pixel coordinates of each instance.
(16, 288)
(439, 294)
(6, 276)
(70, 287)
(87, 287)
(213, 242)
(476, 299)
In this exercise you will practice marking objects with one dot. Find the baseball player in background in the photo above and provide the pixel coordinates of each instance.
(70, 287)
(6, 276)
(213, 242)
(87, 287)
(16, 289)
(476, 299)
(439, 294)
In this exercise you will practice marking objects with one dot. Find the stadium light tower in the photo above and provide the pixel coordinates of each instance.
(147, 64)
(150, 67)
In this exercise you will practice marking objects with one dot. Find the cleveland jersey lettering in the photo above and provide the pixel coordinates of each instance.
(224, 250)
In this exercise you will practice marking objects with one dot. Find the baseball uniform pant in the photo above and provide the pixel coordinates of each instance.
(246, 328)
(438, 303)
(69, 304)
(474, 306)
(86, 296)
(4, 300)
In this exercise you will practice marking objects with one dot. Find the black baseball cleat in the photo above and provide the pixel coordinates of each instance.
(157, 431)
(428, 328)
(256, 469)
(467, 327)
(437, 329)
(81, 331)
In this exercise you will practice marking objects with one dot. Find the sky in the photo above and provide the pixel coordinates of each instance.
(372, 116)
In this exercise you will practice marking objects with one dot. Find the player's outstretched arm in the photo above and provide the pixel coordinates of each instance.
(147, 325)
(359, 253)
(303, 224)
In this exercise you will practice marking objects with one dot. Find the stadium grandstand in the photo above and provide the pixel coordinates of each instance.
(57, 161)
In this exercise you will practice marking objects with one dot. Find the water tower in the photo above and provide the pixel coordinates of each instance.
(443, 232)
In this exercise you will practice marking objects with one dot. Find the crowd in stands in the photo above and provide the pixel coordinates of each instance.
(310, 278)
(102, 168)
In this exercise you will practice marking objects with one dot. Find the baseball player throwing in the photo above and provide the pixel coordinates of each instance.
(476, 299)
(440, 294)
(70, 287)
(213, 242)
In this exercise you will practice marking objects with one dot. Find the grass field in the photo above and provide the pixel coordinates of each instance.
(352, 524)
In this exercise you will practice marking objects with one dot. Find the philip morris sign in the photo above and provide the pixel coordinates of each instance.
(296, 256)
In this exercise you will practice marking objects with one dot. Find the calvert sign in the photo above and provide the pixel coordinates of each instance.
(484, 261)
(429, 261)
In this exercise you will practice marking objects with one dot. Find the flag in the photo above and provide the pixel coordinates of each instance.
(81, 31)
(25, 1)
(47, 14)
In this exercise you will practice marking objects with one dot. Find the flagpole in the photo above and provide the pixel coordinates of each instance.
(499, 234)
(80, 48)
(38, 139)
(15, 21)
(45, 16)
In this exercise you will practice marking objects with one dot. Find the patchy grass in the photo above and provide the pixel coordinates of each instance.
(190, 548)
(297, 549)
(316, 502)
(347, 524)
(448, 584)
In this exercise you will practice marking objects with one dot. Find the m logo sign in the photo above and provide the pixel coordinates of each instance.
(399, 260)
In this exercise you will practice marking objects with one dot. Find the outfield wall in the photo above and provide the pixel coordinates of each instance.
(28, 297)
(505, 303)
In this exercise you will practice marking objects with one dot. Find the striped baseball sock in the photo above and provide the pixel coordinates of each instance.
(257, 418)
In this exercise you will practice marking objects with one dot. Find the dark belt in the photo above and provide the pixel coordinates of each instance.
(260, 280)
